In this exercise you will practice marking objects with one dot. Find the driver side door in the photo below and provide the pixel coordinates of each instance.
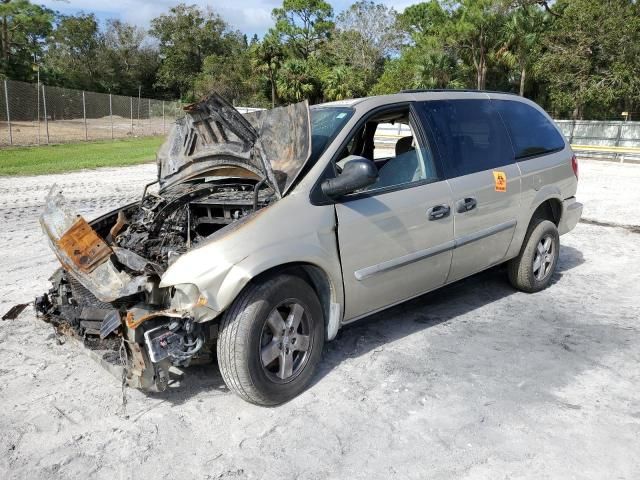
(396, 237)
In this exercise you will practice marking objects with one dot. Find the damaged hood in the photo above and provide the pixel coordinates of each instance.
(214, 138)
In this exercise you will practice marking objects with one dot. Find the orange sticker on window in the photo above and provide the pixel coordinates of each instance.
(501, 181)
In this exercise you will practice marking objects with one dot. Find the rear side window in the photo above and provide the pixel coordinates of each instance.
(531, 132)
(469, 134)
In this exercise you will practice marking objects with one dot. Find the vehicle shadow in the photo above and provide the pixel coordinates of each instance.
(569, 258)
(385, 327)
(431, 309)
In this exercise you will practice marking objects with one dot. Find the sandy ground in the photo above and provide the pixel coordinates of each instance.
(611, 192)
(473, 381)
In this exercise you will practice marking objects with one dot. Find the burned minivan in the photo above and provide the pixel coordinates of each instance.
(268, 231)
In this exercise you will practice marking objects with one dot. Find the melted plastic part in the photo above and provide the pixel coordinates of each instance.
(104, 280)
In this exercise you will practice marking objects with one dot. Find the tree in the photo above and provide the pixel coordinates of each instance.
(437, 68)
(399, 74)
(304, 25)
(72, 57)
(186, 36)
(342, 82)
(591, 57)
(24, 30)
(424, 20)
(474, 30)
(436, 57)
(575, 57)
(267, 58)
(375, 28)
(346, 48)
(129, 60)
(427, 65)
(545, 4)
(363, 39)
(522, 34)
(295, 81)
(468, 31)
(230, 76)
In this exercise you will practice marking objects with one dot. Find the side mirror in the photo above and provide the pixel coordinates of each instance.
(358, 172)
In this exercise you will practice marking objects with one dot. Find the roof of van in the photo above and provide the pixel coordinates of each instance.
(419, 94)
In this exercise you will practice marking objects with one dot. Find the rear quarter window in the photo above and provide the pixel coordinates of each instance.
(469, 134)
(531, 132)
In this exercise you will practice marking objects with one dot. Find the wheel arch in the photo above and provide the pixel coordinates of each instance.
(318, 279)
(549, 209)
(329, 292)
(547, 204)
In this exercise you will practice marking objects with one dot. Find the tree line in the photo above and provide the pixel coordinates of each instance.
(577, 58)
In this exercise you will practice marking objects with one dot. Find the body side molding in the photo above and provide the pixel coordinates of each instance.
(398, 262)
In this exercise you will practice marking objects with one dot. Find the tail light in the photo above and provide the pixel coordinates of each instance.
(574, 165)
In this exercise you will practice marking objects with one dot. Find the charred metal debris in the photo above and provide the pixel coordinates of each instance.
(108, 293)
(112, 269)
(15, 311)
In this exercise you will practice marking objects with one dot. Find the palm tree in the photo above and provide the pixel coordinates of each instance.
(294, 81)
(522, 32)
(342, 82)
(267, 59)
(436, 68)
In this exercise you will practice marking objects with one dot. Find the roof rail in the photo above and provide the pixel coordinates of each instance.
(427, 90)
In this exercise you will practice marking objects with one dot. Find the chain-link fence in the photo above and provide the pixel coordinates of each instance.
(32, 114)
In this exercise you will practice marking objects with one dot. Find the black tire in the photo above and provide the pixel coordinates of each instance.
(244, 329)
(522, 272)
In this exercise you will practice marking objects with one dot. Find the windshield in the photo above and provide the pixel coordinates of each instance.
(326, 122)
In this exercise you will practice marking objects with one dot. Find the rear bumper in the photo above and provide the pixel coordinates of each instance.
(571, 213)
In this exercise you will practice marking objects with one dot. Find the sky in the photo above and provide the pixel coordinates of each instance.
(248, 16)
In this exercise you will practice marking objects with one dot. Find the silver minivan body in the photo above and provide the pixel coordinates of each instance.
(380, 250)
(428, 221)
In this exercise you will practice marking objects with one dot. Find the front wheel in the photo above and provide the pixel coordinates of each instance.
(531, 271)
(271, 340)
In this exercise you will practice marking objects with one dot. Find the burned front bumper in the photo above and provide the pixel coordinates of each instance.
(146, 341)
(110, 298)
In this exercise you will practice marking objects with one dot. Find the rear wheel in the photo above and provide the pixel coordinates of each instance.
(271, 340)
(531, 271)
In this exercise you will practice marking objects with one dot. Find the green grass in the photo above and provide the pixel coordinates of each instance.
(75, 156)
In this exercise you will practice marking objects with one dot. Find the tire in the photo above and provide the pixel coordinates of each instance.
(524, 272)
(260, 357)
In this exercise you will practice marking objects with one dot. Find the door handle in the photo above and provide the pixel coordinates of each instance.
(439, 211)
(466, 204)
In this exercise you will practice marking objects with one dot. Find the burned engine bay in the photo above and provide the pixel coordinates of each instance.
(140, 241)
(165, 226)
(216, 169)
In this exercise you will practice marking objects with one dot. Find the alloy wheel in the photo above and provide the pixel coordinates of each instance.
(544, 258)
(285, 342)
